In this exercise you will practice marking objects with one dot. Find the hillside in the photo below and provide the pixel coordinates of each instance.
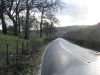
(61, 31)
(87, 37)
(87, 33)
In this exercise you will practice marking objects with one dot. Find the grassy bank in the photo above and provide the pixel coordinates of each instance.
(94, 45)
(30, 65)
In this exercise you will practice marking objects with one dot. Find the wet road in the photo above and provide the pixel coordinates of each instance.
(64, 58)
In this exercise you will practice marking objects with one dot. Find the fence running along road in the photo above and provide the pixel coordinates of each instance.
(15, 55)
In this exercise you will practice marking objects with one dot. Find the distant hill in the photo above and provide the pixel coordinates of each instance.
(87, 33)
(61, 31)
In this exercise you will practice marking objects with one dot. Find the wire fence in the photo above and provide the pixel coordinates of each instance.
(14, 54)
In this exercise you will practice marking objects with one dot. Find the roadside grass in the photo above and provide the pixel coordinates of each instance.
(36, 38)
(7, 38)
(35, 62)
(11, 40)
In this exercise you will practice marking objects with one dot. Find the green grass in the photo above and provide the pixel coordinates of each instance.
(36, 38)
(33, 62)
(11, 41)
(7, 38)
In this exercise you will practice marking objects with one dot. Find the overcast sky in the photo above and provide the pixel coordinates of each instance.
(80, 12)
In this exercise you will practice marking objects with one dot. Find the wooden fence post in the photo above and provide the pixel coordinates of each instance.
(7, 54)
(28, 51)
(22, 47)
(17, 53)
(27, 45)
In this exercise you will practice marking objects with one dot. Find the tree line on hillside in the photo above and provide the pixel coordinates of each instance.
(88, 37)
(22, 13)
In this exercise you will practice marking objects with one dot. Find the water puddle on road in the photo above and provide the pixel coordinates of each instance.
(95, 66)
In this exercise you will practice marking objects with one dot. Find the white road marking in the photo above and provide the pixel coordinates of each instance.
(82, 59)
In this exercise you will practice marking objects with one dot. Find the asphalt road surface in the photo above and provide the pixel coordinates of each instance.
(64, 58)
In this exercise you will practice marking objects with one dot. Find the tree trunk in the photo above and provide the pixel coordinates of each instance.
(14, 22)
(4, 27)
(41, 29)
(19, 24)
(27, 21)
(50, 29)
(15, 28)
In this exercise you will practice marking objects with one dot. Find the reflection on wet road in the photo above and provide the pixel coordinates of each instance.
(64, 58)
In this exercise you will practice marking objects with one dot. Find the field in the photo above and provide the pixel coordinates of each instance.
(19, 56)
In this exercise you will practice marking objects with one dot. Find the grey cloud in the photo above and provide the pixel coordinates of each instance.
(74, 10)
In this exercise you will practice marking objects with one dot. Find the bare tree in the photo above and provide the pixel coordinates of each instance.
(12, 6)
(46, 28)
(53, 20)
(49, 26)
(46, 6)
(29, 5)
(14, 9)
(2, 17)
(27, 21)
